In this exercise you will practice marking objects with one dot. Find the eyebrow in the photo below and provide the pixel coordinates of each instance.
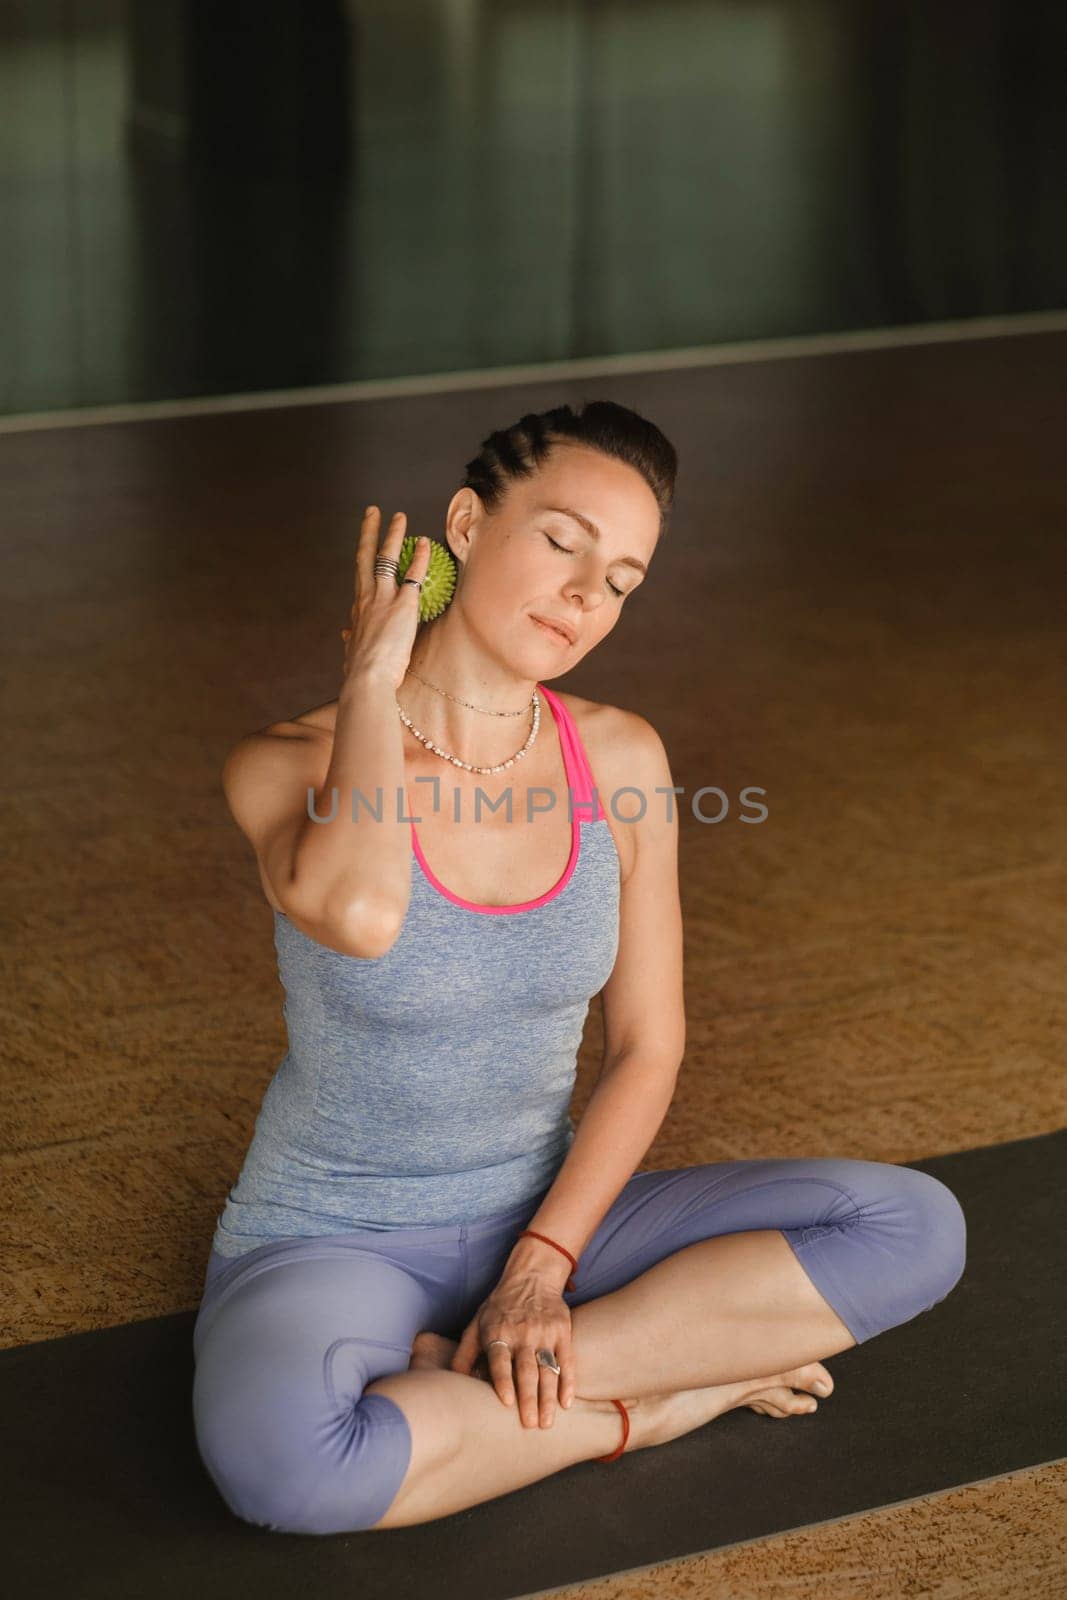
(592, 529)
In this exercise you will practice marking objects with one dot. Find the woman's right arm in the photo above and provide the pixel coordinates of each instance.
(330, 878)
(355, 875)
(344, 882)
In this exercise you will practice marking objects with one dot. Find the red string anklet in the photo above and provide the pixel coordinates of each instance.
(625, 1434)
(529, 1232)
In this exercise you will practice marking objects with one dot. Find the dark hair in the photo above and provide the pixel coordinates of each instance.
(518, 451)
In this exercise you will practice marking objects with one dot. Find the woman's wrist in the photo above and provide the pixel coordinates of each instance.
(534, 1255)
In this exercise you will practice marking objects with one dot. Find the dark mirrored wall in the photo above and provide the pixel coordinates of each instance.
(203, 198)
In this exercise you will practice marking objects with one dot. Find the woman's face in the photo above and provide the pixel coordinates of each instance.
(514, 572)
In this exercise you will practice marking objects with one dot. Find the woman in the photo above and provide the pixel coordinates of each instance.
(416, 1212)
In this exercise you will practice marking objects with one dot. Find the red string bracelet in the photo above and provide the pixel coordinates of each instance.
(570, 1283)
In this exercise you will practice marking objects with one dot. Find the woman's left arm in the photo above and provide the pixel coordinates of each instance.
(644, 1026)
(643, 1010)
(644, 1041)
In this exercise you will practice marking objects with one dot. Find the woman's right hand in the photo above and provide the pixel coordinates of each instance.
(385, 614)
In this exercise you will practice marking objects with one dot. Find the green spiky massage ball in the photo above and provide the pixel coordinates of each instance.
(440, 581)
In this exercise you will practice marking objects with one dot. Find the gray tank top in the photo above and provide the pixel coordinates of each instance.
(432, 1085)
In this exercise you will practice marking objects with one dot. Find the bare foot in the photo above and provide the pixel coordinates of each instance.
(431, 1350)
(655, 1419)
(775, 1397)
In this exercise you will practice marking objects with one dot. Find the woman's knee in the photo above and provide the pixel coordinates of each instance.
(253, 1439)
(286, 1456)
(944, 1232)
(925, 1217)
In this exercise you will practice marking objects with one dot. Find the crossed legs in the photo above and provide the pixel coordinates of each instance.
(319, 1410)
(704, 1330)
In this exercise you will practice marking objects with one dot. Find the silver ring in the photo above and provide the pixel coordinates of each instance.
(545, 1358)
(416, 583)
(492, 1342)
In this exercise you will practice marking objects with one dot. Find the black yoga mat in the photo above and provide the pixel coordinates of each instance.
(103, 1493)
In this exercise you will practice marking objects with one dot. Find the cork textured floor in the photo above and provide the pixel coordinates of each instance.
(859, 608)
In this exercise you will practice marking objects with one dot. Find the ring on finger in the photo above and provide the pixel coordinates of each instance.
(545, 1358)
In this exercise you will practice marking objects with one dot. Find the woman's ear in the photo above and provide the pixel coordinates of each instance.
(465, 512)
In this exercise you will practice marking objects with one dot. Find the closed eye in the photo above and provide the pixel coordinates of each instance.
(568, 552)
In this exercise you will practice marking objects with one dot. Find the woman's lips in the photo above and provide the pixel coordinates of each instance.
(553, 633)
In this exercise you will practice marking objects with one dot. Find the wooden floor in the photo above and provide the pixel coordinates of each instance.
(859, 609)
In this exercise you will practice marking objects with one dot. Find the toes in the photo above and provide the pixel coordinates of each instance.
(778, 1400)
(432, 1350)
(782, 1402)
(813, 1377)
(797, 1404)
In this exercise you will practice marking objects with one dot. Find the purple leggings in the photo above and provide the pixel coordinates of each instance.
(289, 1334)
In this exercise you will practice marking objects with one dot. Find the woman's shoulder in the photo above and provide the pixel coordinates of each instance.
(609, 732)
(320, 719)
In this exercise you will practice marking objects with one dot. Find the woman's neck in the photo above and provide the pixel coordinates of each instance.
(471, 734)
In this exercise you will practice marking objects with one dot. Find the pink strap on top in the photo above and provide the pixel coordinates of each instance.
(579, 778)
(579, 772)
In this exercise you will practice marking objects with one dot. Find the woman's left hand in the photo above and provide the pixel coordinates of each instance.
(530, 1313)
